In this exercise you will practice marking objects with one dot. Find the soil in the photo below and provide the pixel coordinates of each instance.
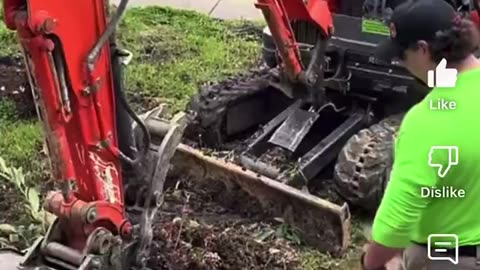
(8, 202)
(14, 85)
(198, 230)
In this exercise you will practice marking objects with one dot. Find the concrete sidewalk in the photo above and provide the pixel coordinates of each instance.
(223, 9)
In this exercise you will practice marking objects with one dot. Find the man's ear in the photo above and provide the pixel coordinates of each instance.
(423, 46)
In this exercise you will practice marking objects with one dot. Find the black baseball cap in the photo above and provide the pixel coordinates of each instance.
(415, 20)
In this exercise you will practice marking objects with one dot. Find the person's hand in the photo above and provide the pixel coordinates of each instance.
(394, 264)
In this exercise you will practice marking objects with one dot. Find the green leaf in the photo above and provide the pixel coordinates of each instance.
(34, 201)
(4, 243)
(279, 232)
(7, 229)
(9, 173)
(19, 177)
(264, 235)
(48, 218)
(294, 238)
(3, 165)
(11, 176)
(13, 238)
(32, 227)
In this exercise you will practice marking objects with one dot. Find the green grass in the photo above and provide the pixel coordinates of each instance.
(20, 145)
(21, 139)
(176, 51)
(7, 38)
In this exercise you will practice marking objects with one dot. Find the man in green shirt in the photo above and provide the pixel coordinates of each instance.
(434, 186)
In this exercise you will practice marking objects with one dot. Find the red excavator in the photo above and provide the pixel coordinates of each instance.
(111, 169)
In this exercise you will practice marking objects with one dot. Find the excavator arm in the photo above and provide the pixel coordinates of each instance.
(73, 84)
(74, 69)
(279, 14)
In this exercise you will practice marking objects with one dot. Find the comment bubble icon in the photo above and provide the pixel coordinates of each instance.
(438, 245)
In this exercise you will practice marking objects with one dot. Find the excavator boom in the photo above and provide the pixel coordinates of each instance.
(72, 82)
(280, 13)
(74, 69)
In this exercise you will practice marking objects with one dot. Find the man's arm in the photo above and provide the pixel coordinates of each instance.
(402, 202)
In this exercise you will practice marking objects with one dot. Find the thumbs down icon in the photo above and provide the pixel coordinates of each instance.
(438, 155)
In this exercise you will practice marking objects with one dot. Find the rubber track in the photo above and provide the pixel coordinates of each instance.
(364, 163)
(210, 104)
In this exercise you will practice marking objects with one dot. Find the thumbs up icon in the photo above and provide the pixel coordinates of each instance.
(442, 76)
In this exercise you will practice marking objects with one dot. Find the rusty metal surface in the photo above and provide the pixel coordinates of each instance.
(324, 225)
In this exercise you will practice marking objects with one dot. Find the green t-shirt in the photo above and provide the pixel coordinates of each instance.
(405, 214)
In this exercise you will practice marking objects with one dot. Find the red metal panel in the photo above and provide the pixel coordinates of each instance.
(280, 13)
(316, 11)
(83, 144)
(278, 23)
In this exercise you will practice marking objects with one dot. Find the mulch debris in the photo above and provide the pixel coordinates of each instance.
(194, 232)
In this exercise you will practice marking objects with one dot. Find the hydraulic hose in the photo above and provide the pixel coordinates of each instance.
(104, 38)
(146, 134)
(91, 60)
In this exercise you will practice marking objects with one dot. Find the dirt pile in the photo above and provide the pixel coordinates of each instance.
(9, 203)
(189, 244)
(195, 232)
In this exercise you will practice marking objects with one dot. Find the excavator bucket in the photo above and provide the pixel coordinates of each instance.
(322, 224)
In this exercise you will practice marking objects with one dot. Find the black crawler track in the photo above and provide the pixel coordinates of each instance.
(363, 165)
(210, 105)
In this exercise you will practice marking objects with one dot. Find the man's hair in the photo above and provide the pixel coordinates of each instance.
(455, 44)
